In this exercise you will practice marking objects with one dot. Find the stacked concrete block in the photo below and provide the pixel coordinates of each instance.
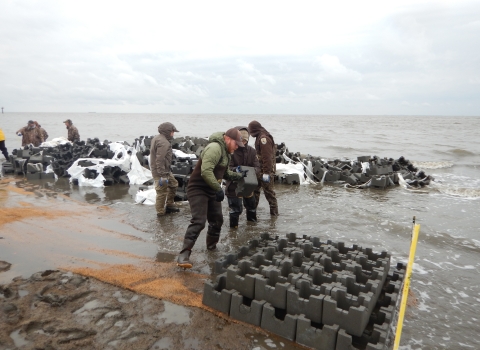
(321, 294)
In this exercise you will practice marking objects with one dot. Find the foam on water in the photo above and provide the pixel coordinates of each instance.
(432, 165)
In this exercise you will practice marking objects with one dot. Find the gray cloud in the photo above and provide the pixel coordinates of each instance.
(418, 60)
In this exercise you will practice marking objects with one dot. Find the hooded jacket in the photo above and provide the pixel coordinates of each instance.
(265, 147)
(161, 151)
(212, 167)
(31, 135)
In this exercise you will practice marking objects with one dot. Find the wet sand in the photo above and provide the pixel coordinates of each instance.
(112, 288)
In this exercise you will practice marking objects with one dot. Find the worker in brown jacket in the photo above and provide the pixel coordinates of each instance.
(30, 134)
(266, 153)
(246, 156)
(42, 131)
(160, 162)
(73, 134)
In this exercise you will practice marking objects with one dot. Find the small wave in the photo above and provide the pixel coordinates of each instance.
(464, 192)
(432, 165)
(341, 148)
(461, 152)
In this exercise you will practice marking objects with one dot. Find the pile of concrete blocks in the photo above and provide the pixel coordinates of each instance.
(322, 295)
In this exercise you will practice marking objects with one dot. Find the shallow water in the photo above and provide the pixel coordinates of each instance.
(445, 274)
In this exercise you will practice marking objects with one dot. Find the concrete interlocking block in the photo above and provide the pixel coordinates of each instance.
(271, 290)
(216, 296)
(246, 310)
(285, 326)
(222, 263)
(349, 312)
(240, 279)
(324, 338)
(376, 341)
(305, 299)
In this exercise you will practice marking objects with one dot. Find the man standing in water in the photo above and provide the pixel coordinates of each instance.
(42, 131)
(266, 150)
(205, 194)
(246, 156)
(73, 134)
(160, 161)
(30, 134)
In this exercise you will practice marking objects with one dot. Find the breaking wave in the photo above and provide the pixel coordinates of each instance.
(432, 165)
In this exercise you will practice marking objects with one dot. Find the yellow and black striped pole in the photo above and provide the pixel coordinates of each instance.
(406, 285)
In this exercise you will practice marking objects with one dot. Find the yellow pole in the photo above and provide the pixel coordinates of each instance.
(406, 286)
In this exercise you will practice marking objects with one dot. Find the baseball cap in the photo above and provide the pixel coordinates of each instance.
(234, 134)
(68, 121)
(31, 122)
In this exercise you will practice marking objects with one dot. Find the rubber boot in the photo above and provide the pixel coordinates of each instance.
(212, 242)
(233, 221)
(169, 210)
(251, 216)
(183, 257)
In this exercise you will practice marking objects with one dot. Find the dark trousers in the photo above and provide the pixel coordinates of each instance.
(204, 208)
(236, 205)
(4, 149)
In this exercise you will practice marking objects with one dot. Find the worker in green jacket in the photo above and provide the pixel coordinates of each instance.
(205, 193)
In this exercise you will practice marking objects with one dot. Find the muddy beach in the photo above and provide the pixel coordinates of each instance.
(74, 275)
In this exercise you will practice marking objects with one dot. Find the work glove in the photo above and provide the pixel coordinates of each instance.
(219, 195)
(266, 178)
(19, 134)
(162, 180)
(238, 169)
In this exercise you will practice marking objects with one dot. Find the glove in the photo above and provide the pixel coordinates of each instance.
(19, 134)
(238, 169)
(266, 178)
(219, 196)
(162, 180)
(244, 173)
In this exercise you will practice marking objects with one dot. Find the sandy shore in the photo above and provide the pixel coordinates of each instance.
(72, 277)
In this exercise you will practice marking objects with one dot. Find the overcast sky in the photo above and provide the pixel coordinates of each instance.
(344, 57)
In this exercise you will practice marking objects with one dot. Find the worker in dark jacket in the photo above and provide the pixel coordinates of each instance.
(246, 156)
(160, 161)
(205, 193)
(266, 153)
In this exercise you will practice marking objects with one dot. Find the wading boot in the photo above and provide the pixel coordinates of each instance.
(233, 221)
(252, 216)
(212, 242)
(183, 257)
(169, 210)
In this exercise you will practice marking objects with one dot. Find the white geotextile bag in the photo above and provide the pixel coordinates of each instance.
(180, 154)
(147, 197)
(285, 169)
(97, 182)
(55, 142)
(138, 174)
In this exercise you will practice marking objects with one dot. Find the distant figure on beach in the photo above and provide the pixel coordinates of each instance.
(160, 162)
(246, 156)
(30, 134)
(2, 145)
(266, 153)
(205, 193)
(42, 131)
(73, 134)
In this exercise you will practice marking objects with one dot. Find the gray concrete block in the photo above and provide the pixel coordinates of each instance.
(248, 184)
(271, 290)
(240, 279)
(305, 299)
(222, 263)
(278, 322)
(349, 312)
(321, 338)
(246, 310)
(216, 296)
(376, 341)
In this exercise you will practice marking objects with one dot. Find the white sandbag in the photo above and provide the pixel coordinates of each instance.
(180, 154)
(97, 182)
(55, 142)
(138, 174)
(147, 197)
(290, 168)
